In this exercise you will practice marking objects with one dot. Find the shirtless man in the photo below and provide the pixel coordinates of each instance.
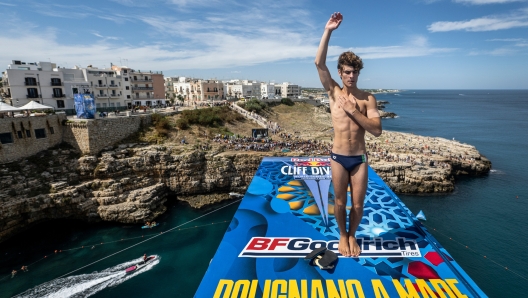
(353, 112)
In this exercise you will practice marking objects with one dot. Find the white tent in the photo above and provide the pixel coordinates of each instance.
(4, 107)
(33, 105)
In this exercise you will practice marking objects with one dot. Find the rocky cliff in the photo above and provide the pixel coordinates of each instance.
(131, 183)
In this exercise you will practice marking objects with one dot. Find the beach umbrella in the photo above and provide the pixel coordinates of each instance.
(33, 105)
(7, 108)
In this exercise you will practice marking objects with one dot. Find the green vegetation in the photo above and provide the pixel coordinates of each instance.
(161, 124)
(287, 101)
(211, 117)
(253, 105)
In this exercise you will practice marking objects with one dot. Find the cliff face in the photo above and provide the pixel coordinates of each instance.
(130, 184)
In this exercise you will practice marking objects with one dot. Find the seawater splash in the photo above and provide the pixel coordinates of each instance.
(86, 285)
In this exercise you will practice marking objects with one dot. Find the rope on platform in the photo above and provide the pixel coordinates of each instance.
(484, 256)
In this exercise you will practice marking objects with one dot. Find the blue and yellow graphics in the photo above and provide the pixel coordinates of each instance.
(288, 211)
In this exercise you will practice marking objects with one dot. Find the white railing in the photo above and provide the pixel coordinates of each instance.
(254, 117)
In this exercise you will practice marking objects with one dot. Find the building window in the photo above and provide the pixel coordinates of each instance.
(19, 133)
(40, 133)
(127, 88)
(124, 71)
(60, 104)
(28, 133)
(126, 79)
(118, 104)
(30, 81)
(75, 90)
(98, 105)
(32, 93)
(57, 92)
(6, 138)
(52, 131)
(56, 82)
(128, 96)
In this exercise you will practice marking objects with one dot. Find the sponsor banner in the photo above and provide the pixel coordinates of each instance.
(84, 106)
(271, 247)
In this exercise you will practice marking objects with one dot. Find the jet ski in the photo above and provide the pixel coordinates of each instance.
(140, 265)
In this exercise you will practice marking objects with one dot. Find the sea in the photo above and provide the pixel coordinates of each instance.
(483, 223)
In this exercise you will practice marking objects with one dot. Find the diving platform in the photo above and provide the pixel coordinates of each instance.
(288, 211)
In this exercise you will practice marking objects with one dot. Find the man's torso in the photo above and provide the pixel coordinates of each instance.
(349, 136)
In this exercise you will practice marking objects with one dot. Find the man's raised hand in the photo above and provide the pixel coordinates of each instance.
(335, 21)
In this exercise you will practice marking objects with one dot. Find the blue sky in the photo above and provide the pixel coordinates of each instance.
(405, 44)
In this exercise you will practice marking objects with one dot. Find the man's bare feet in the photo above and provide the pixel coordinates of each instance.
(343, 247)
(355, 250)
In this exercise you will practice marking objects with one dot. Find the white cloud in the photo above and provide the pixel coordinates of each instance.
(488, 23)
(7, 4)
(505, 39)
(481, 2)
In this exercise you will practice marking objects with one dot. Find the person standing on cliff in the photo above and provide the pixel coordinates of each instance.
(353, 112)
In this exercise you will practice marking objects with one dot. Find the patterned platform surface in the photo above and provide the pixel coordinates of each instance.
(288, 211)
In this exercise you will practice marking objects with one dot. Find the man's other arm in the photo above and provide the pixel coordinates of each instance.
(371, 122)
(320, 57)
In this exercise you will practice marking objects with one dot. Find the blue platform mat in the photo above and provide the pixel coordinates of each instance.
(288, 211)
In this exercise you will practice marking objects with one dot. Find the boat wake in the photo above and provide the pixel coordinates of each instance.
(86, 285)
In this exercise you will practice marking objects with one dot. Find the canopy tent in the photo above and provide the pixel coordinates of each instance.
(7, 108)
(33, 105)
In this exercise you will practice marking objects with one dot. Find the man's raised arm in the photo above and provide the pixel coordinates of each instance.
(320, 57)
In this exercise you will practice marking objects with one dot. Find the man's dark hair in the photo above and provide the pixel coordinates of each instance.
(349, 59)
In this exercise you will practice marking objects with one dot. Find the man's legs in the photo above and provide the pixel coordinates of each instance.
(358, 189)
(340, 179)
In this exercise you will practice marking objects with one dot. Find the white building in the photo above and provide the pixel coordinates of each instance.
(41, 82)
(289, 90)
(112, 88)
(268, 93)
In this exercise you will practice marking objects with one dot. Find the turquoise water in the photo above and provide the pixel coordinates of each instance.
(483, 214)
(184, 254)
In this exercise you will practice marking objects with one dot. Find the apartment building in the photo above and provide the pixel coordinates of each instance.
(147, 88)
(269, 92)
(169, 88)
(289, 90)
(189, 89)
(41, 82)
(242, 89)
(212, 90)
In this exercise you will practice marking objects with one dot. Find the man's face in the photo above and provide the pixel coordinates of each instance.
(349, 76)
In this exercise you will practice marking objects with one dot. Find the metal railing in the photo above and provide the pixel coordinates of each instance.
(57, 84)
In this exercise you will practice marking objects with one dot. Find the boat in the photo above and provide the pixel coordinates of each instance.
(150, 227)
(140, 265)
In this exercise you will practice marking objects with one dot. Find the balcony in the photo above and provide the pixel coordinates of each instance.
(142, 88)
(57, 84)
(113, 86)
(33, 96)
(100, 86)
(58, 95)
(140, 80)
(101, 96)
(115, 95)
(30, 83)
